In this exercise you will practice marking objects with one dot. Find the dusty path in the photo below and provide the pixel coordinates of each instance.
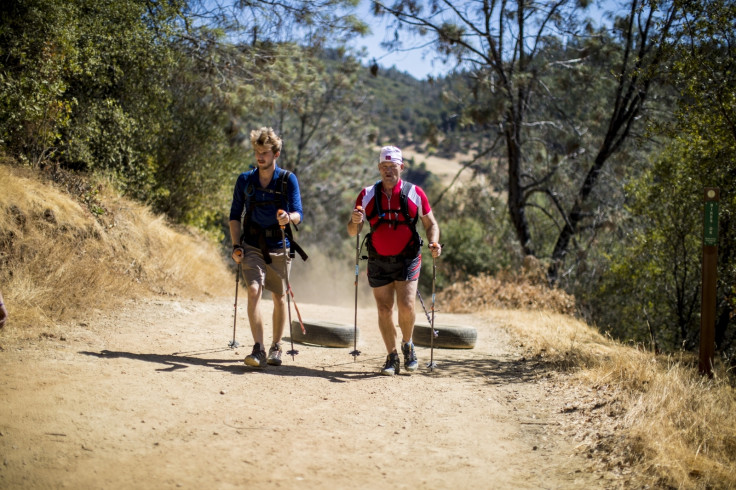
(152, 397)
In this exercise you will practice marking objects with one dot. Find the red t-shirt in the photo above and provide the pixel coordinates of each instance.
(386, 239)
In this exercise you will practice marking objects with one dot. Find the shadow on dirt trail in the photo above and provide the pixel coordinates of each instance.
(176, 362)
(491, 370)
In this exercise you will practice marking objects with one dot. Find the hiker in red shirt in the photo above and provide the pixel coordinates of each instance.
(392, 207)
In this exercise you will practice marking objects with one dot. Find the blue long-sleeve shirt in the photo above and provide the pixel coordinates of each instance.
(248, 189)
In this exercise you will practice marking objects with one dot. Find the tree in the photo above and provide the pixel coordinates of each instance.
(519, 53)
(658, 275)
(33, 71)
(643, 35)
(147, 91)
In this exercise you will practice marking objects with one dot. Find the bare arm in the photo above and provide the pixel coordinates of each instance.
(235, 231)
(433, 233)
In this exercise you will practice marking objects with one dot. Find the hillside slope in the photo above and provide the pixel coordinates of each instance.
(74, 246)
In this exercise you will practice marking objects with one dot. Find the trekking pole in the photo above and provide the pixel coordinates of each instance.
(293, 351)
(432, 364)
(234, 343)
(426, 313)
(355, 353)
(298, 315)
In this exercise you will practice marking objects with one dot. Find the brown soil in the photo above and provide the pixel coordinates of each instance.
(153, 397)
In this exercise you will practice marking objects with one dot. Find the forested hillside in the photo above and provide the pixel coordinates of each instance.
(589, 141)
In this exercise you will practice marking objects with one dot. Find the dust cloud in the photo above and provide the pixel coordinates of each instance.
(328, 281)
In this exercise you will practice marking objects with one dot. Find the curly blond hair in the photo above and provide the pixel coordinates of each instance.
(265, 137)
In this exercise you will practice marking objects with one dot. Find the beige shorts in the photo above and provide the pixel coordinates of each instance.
(269, 276)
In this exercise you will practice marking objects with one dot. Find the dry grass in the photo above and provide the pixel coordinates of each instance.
(58, 261)
(510, 290)
(676, 428)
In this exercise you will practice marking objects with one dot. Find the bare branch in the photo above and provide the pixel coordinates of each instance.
(467, 165)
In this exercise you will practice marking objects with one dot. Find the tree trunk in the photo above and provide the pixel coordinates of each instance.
(576, 213)
(517, 210)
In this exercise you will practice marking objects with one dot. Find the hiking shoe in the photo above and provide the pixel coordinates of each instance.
(257, 358)
(410, 357)
(274, 355)
(393, 365)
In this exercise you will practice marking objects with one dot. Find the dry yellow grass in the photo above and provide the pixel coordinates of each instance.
(58, 261)
(684, 425)
(678, 428)
(509, 290)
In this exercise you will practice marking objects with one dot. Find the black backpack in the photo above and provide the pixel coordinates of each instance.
(254, 232)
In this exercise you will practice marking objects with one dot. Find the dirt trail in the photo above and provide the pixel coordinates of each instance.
(152, 397)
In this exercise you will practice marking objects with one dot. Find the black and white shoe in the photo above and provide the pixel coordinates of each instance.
(257, 358)
(393, 365)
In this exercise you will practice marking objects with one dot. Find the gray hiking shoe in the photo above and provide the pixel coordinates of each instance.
(410, 357)
(257, 358)
(393, 365)
(274, 355)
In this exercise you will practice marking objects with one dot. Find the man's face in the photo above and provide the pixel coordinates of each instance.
(390, 172)
(265, 157)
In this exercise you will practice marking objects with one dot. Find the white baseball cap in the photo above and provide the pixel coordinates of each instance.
(391, 154)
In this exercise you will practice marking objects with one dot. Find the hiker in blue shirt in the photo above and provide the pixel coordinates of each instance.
(265, 199)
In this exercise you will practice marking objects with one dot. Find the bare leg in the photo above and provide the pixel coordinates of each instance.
(384, 296)
(279, 316)
(406, 291)
(254, 312)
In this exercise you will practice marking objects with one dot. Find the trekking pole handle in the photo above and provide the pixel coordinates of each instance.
(359, 208)
(435, 245)
(237, 254)
(278, 214)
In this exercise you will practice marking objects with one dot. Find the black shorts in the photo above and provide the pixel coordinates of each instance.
(382, 272)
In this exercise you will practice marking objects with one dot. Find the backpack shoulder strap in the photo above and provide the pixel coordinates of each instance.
(283, 183)
(377, 199)
(404, 203)
(248, 193)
